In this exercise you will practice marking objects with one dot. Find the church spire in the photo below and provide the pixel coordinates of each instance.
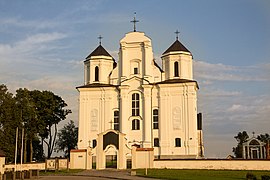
(134, 22)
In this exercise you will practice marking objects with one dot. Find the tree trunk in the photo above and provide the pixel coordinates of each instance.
(31, 150)
(25, 150)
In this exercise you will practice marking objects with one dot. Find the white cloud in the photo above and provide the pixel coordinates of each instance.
(238, 108)
(220, 92)
(221, 72)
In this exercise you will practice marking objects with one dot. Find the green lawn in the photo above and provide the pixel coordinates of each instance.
(199, 174)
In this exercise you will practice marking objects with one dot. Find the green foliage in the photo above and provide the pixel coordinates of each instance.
(264, 137)
(38, 113)
(265, 177)
(250, 176)
(8, 123)
(241, 138)
(67, 138)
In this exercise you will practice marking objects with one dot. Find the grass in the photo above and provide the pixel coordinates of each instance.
(199, 174)
(60, 172)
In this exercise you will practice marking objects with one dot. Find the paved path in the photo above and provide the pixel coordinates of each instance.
(97, 174)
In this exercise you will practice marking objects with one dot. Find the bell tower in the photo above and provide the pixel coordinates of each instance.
(98, 65)
(177, 61)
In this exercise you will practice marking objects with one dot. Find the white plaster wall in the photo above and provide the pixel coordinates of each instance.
(184, 62)
(78, 160)
(105, 64)
(183, 98)
(214, 164)
(2, 164)
(98, 102)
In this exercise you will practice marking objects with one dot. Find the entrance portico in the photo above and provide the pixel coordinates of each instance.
(111, 142)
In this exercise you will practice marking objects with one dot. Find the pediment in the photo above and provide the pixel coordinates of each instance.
(134, 82)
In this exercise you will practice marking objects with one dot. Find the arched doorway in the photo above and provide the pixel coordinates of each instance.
(111, 156)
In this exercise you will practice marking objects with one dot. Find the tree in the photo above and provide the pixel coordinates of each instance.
(38, 113)
(27, 112)
(264, 137)
(8, 123)
(67, 138)
(50, 110)
(241, 138)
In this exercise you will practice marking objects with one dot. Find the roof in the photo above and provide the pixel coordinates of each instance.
(176, 46)
(99, 51)
(173, 81)
(94, 85)
(2, 153)
(155, 63)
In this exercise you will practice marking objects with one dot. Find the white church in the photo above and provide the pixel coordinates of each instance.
(135, 103)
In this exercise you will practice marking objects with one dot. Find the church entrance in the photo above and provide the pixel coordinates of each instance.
(254, 154)
(111, 146)
(111, 150)
(111, 156)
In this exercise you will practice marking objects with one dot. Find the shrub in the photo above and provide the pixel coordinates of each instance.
(251, 176)
(265, 177)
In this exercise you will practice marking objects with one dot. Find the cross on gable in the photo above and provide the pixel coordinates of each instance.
(177, 32)
(100, 37)
(111, 122)
(134, 22)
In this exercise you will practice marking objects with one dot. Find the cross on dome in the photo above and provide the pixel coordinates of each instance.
(134, 22)
(100, 37)
(177, 32)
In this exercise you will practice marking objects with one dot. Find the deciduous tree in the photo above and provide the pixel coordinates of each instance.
(67, 138)
(241, 138)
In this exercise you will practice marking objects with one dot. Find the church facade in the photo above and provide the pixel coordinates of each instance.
(134, 102)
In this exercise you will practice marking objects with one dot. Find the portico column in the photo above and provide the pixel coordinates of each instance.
(261, 152)
(248, 157)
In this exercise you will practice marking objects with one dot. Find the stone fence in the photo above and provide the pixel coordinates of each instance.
(217, 164)
(25, 167)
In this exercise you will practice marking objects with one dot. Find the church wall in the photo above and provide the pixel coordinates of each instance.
(178, 119)
(96, 113)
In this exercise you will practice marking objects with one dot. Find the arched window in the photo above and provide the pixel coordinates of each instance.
(177, 142)
(176, 69)
(94, 143)
(155, 118)
(135, 124)
(96, 73)
(135, 104)
(156, 142)
(116, 120)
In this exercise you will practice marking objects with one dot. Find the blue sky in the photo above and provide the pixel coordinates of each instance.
(43, 44)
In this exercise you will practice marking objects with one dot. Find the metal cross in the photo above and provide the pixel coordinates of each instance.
(111, 122)
(100, 37)
(177, 32)
(134, 22)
